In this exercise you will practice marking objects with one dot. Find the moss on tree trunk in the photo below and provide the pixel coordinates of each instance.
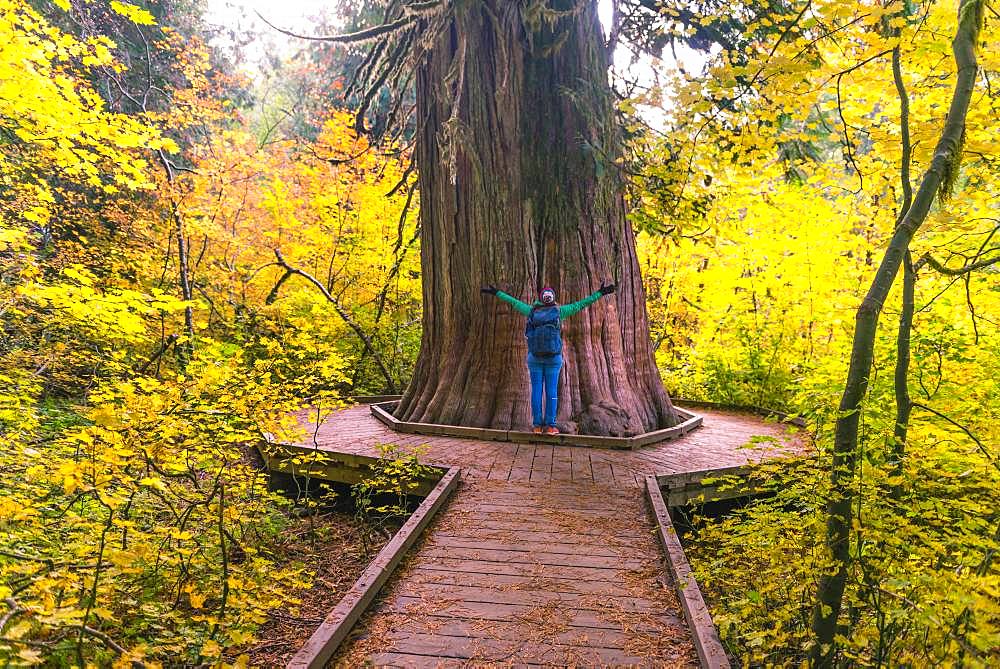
(516, 147)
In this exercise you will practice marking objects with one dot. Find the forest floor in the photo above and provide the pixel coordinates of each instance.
(335, 547)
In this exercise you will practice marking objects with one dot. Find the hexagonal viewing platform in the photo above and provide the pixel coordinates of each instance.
(383, 411)
(531, 549)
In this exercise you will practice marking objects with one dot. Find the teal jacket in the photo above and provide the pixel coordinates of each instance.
(565, 310)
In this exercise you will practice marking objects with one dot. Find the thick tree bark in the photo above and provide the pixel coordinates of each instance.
(519, 187)
(829, 598)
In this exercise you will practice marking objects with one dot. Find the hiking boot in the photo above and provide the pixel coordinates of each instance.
(551, 429)
(537, 429)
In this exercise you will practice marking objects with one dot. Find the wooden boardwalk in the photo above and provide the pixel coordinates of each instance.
(545, 555)
(724, 440)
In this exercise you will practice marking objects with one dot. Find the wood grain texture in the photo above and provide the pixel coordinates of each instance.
(333, 630)
(546, 554)
(584, 587)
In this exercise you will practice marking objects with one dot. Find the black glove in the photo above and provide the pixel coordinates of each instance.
(488, 289)
(607, 289)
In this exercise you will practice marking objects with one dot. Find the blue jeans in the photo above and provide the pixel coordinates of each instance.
(544, 373)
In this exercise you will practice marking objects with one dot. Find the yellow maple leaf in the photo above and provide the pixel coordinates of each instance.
(135, 14)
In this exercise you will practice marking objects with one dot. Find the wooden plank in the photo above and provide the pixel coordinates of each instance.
(711, 653)
(693, 421)
(559, 516)
(350, 468)
(592, 441)
(624, 476)
(541, 466)
(383, 412)
(523, 460)
(493, 629)
(749, 408)
(580, 466)
(538, 597)
(501, 650)
(581, 542)
(320, 647)
(597, 496)
(451, 541)
(456, 565)
(512, 556)
(525, 523)
(524, 613)
(374, 399)
(419, 575)
(583, 504)
(503, 463)
(562, 466)
(412, 661)
(384, 416)
(683, 487)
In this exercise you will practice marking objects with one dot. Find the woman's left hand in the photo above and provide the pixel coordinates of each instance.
(607, 289)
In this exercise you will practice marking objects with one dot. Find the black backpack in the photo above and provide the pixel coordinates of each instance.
(543, 332)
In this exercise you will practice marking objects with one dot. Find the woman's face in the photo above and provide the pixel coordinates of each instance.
(548, 297)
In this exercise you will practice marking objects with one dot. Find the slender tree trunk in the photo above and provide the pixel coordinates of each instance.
(186, 347)
(517, 146)
(945, 161)
(904, 405)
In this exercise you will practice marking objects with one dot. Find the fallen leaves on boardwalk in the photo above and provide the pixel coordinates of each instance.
(563, 574)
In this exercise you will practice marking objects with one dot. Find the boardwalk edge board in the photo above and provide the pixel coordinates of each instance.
(781, 416)
(711, 653)
(383, 412)
(297, 460)
(321, 646)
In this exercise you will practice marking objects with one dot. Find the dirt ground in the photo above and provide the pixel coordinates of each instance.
(334, 546)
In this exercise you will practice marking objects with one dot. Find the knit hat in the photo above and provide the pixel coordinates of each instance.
(548, 295)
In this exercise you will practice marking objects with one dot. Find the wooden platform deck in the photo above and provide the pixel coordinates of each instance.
(545, 555)
(727, 439)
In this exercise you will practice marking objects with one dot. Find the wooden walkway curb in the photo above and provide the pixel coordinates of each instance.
(383, 412)
(321, 646)
(711, 653)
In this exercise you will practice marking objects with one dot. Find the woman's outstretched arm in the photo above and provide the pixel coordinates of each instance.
(567, 310)
(521, 307)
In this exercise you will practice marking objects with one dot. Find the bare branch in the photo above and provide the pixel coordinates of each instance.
(164, 347)
(14, 610)
(982, 447)
(941, 268)
(366, 35)
(346, 317)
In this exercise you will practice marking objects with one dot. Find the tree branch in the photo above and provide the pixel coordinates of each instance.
(982, 447)
(941, 268)
(346, 317)
(164, 347)
(365, 35)
(14, 610)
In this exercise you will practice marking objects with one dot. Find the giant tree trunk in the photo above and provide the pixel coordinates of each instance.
(519, 187)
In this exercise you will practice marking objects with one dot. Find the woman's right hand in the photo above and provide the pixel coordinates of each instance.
(488, 289)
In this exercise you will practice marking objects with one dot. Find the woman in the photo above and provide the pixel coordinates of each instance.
(543, 332)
